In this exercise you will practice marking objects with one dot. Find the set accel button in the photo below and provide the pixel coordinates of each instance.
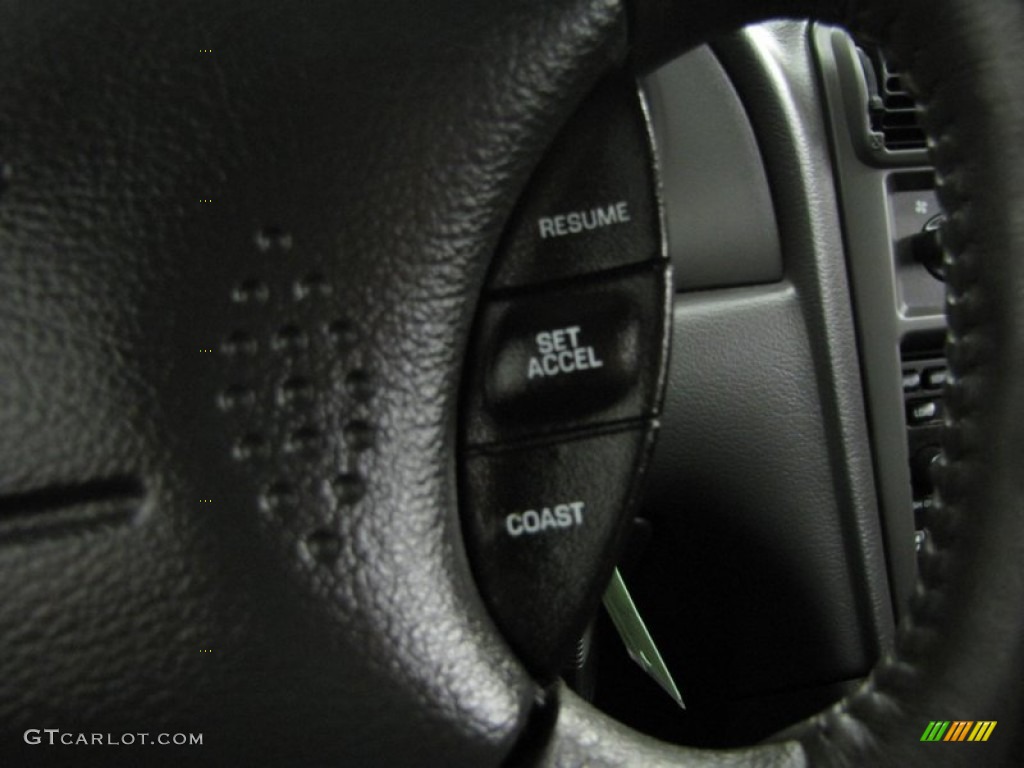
(560, 352)
(567, 358)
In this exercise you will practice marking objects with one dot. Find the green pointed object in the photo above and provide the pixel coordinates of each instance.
(638, 641)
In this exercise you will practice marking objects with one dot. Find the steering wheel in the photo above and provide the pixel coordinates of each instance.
(174, 175)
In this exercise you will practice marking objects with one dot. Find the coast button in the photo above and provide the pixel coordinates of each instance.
(543, 527)
(591, 203)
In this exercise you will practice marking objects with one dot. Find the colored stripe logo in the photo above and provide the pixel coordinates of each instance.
(959, 730)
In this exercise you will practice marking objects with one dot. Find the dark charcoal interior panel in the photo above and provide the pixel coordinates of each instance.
(748, 535)
(718, 212)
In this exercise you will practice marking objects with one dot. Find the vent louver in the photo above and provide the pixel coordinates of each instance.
(893, 114)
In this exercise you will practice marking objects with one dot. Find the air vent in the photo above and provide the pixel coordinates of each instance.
(892, 112)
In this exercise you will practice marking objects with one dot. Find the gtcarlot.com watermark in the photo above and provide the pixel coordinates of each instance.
(56, 737)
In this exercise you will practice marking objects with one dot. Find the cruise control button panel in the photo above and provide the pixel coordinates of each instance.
(568, 357)
(592, 204)
(564, 379)
(542, 524)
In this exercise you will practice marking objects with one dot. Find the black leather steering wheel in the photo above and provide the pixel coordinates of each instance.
(361, 160)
